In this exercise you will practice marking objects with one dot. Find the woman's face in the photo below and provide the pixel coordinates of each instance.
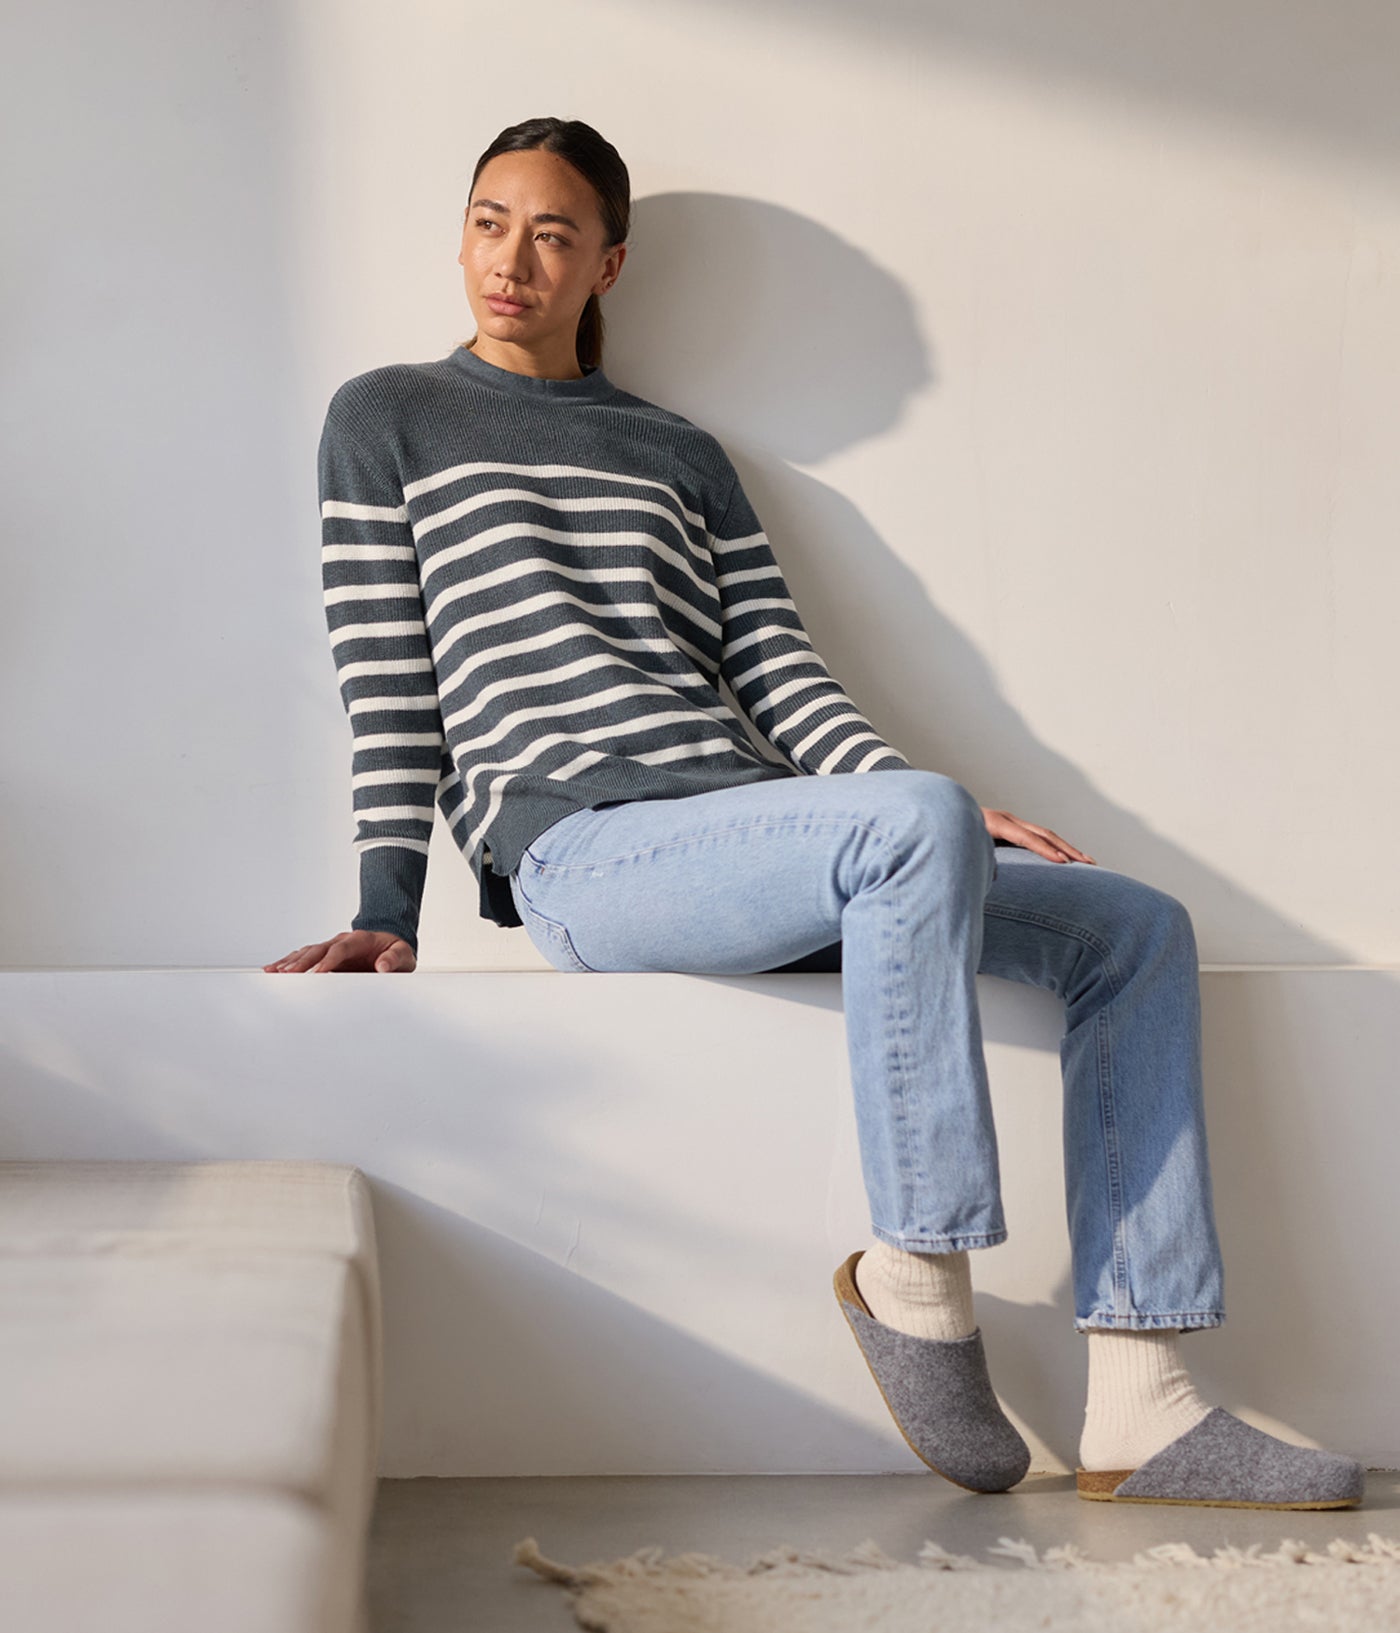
(533, 232)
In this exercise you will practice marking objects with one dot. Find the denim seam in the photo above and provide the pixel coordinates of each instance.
(957, 1241)
(1153, 1318)
(566, 943)
(1109, 1113)
(911, 1181)
(558, 932)
(689, 839)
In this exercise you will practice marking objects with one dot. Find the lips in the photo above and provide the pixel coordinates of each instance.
(507, 308)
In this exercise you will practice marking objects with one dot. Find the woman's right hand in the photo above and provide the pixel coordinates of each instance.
(376, 950)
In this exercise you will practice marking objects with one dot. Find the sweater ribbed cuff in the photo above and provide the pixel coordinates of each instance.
(391, 891)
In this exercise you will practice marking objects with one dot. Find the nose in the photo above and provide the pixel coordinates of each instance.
(512, 263)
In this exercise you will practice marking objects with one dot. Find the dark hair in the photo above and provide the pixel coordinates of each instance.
(600, 164)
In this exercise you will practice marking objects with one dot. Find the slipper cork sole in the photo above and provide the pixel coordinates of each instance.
(1098, 1486)
(844, 1281)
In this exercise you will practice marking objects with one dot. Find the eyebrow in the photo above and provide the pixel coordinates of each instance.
(491, 204)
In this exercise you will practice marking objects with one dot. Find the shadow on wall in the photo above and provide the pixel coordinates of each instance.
(742, 313)
(735, 313)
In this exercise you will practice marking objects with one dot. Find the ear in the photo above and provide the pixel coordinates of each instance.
(611, 268)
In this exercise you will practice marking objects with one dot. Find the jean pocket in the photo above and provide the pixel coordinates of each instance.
(550, 938)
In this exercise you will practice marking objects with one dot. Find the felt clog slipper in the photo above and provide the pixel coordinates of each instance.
(1223, 1462)
(939, 1394)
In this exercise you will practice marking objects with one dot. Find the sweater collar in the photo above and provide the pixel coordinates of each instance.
(593, 387)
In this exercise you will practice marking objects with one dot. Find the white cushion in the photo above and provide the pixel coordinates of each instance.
(144, 1207)
(189, 1561)
(190, 1389)
(226, 1368)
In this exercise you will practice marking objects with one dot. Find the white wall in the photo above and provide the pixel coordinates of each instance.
(1058, 347)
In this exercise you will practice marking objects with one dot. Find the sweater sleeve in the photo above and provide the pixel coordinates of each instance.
(379, 641)
(770, 664)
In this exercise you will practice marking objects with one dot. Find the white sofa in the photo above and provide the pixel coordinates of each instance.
(190, 1396)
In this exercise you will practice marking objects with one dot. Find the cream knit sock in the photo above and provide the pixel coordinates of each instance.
(1140, 1397)
(926, 1294)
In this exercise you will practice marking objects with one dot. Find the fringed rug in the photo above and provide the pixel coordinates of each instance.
(1349, 1588)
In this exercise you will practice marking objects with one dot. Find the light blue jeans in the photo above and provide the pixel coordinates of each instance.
(892, 878)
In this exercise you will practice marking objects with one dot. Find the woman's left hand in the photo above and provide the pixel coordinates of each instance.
(1032, 837)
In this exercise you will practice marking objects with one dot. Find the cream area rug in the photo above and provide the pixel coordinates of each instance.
(1348, 1588)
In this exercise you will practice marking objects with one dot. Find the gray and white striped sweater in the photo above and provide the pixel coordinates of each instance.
(533, 589)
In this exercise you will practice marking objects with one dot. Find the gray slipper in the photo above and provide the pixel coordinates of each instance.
(1223, 1462)
(940, 1395)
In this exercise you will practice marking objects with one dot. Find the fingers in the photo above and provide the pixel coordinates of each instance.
(1043, 847)
(333, 957)
(354, 951)
(1062, 850)
(350, 950)
(299, 961)
(1067, 852)
(1071, 853)
(1051, 845)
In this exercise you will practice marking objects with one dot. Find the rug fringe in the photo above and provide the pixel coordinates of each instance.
(527, 1552)
(934, 1556)
(1376, 1550)
(790, 1561)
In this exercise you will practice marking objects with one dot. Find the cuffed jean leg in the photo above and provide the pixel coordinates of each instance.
(895, 865)
(1122, 954)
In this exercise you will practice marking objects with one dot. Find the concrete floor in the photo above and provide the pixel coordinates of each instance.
(440, 1550)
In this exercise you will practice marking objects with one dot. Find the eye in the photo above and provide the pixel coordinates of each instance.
(488, 221)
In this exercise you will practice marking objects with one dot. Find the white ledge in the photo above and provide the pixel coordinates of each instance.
(609, 1211)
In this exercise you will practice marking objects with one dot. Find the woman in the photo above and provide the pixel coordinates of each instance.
(535, 584)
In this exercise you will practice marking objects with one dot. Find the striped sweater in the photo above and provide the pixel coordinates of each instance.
(534, 589)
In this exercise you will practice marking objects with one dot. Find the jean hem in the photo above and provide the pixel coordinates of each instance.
(1141, 1321)
(939, 1244)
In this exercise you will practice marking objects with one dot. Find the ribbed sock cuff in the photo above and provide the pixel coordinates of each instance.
(1140, 1397)
(926, 1294)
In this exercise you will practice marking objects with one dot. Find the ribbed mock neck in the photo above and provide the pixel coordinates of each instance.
(593, 387)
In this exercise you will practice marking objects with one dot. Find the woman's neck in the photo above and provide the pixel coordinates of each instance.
(521, 361)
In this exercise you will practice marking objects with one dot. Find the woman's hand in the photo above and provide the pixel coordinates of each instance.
(1032, 837)
(376, 950)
